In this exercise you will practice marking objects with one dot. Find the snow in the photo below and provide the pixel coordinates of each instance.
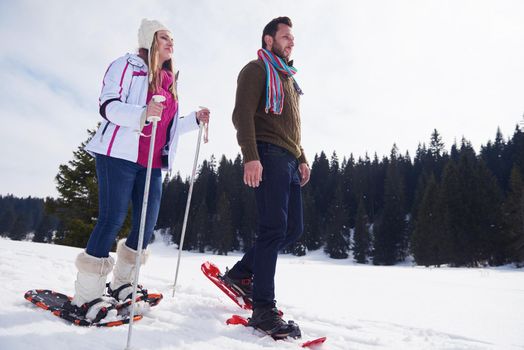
(355, 306)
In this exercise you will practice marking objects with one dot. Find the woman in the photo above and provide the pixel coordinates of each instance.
(121, 147)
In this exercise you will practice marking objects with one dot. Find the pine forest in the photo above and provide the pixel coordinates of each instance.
(440, 206)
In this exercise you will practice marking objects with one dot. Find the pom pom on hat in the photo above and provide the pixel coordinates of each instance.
(147, 31)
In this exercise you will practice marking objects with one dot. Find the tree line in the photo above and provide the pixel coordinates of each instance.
(454, 207)
(22, 216)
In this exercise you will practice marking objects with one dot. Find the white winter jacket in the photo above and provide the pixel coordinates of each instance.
(122, 103)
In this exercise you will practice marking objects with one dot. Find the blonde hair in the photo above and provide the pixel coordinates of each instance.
(154, 71)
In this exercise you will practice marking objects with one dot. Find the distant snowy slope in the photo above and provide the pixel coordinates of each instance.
(355, 306)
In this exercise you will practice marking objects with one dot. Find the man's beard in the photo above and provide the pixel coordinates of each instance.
(279, 51)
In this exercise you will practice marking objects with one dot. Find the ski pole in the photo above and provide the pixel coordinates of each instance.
(154, 120)
(181, 245)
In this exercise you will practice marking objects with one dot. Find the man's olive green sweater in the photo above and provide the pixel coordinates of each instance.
(254, 124)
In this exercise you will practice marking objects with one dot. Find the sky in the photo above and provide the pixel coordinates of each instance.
(374, 73)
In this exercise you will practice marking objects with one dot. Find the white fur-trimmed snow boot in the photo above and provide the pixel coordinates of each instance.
(89, 300)
(121, 286)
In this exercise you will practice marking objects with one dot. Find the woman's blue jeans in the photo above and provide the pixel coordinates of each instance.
(119, 183)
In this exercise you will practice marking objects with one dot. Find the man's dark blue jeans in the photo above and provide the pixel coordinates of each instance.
(279, 204)
(119, 183)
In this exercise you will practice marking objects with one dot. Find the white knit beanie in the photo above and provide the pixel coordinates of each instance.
(147, 31)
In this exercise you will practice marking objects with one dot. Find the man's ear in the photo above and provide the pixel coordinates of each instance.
(268, 39)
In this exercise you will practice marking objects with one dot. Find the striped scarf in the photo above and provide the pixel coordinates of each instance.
(274, 90)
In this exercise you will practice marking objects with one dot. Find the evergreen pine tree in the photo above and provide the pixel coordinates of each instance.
(375, 197)
(319, 182)
(497, 160)
(20, 217)
(390, 234)
(452, 208)
(428, 162)
(211, 187)
(202, 202)
(426, 241)
(223, 229)
(337, 242)
(165, 213)
(173, 203)
(224, 235)
(243, 208)
(44, 231)
(349, 193)
(488, 200)
(77, 204)
(202, 228)
(514, 151)
(362, 183)
(361, 238)
(234, 195)
(454, 153)
(410, 181)
(20, 227)
(436, 146)
(7, 220)
(47, 226)
(471, 201)
(334, 176)
(310, 239)
(513, 216)
(460, 211)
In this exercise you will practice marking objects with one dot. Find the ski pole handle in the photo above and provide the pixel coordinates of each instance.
(158, 99)
(206, 127)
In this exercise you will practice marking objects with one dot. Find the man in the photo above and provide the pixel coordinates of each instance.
(267, 120)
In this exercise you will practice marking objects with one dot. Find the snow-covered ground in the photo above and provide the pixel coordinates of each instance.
(355, 306)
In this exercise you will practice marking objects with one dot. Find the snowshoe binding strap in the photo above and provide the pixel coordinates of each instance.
(243, 286)
(289, 330)
(81, 311)
(142, 295)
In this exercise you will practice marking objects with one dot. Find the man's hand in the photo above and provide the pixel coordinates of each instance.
(304, 170)
(253, 173)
